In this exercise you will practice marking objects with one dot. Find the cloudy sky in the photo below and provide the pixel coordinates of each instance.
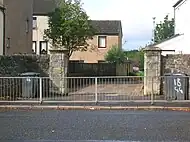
(136, 16)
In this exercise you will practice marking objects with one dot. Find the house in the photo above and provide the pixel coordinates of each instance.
(180, 41)
(40, 23)
(109, 33)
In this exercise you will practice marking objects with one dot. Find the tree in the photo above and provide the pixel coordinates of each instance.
(115, 55)
(164, 29)
(69, 27)
(137, 56)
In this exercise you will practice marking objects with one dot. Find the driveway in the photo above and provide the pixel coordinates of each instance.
(81, 126)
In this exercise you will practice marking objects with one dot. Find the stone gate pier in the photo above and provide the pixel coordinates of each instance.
(58, 68)
(152, 70)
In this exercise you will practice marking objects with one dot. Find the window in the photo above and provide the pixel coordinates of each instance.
(34, 47)
(34, 23)
(101, 41)
(43, 47)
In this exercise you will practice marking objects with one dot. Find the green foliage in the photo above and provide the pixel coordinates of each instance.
(69, 27)
(140, 73)
(115, 55)
(164, 29)
(137, 56)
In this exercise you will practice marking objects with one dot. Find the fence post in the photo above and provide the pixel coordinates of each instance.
(152, 92)
(41, 99)
(96, 90)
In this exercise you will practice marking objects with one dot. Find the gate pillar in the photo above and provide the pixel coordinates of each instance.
(58, 68)
(152, 70)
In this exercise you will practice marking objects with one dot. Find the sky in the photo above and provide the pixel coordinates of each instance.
(136, 17)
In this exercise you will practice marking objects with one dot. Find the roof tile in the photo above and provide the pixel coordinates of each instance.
(107, 26)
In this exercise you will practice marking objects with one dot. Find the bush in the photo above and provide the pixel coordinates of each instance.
(140, 73)
(137, 74)
(115, 55)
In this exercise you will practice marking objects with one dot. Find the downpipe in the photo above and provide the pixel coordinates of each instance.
(3, 11)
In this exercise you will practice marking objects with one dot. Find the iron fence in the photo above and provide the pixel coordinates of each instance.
(94, 89)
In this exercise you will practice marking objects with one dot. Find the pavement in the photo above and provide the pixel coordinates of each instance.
(97, 105)
(93, 126)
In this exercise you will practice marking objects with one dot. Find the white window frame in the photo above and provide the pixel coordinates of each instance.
(41, 46)
(34, 22)
(105, 41)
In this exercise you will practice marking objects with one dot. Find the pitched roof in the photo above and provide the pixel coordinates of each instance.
(177, 3)
(172, 37)
(43, 7)
(108, 27)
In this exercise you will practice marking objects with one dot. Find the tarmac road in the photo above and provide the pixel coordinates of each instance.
(88, 126)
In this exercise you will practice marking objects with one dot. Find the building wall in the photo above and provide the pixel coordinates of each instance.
(1, 31)
(181, 43)
(182, 22)
(38, 33)
(182, 19)
(93, 54)
(18, 23)
(1, 2)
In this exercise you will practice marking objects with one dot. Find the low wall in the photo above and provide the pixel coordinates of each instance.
(176, 64)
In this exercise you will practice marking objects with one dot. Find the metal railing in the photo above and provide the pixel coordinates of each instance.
(93, 89)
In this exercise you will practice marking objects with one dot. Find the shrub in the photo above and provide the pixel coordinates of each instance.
(115, 55)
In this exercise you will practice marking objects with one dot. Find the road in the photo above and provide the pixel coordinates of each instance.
(85, 126)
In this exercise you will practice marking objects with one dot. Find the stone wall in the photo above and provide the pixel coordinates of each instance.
(152, 70)
(156, 66)
(17, 64)
(176, 64)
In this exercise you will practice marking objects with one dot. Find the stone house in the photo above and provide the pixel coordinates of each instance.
(180, 41)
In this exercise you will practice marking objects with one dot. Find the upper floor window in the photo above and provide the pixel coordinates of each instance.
(34, 22)
(101, 41)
